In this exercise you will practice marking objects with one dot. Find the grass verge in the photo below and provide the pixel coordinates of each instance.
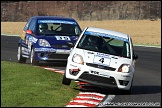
(23, 85)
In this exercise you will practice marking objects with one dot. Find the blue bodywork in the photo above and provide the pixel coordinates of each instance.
(58, 50)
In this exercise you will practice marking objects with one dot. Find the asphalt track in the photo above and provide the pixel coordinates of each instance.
(147, 80)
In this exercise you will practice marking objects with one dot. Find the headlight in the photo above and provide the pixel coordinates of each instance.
(124, 68)
(44, 43)
(77, 59)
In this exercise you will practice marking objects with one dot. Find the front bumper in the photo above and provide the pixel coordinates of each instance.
(103, 77)
(50, 54)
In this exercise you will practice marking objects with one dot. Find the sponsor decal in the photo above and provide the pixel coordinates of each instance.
(23, 35)
(32, 39)
(103, 55)
(25, 50)
(95, 72)
(45, 49)
(106, 35)
(98, 73)
(56, 21)
(63, 51)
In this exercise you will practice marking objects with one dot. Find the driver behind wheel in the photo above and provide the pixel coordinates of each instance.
(43, 27)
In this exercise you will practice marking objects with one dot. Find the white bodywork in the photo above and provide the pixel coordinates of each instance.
(92, 57)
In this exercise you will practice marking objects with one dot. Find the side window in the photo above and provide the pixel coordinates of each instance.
(32, 25)
(27, 24)
(77, 30)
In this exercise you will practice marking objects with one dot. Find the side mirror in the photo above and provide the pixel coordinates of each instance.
(135, 56)
(70, 44)
(29, 32)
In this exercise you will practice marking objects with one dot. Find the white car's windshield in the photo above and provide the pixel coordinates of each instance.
(104, 44)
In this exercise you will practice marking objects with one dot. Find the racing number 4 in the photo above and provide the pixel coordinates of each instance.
(101, 60)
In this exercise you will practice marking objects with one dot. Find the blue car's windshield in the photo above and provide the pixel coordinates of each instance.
(58, 28)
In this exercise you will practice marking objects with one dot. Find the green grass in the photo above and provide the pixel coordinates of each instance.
(23, 85)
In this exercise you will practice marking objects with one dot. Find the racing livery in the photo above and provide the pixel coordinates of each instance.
(44, 38)
(102, 57)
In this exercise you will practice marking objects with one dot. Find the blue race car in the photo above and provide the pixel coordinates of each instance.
(45, 38)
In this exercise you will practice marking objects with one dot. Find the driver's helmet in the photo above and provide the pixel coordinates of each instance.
(43, 27)
(93, 40)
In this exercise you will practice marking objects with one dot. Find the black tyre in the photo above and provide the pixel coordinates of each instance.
(33, 59)
(19, 55)
(65, 80)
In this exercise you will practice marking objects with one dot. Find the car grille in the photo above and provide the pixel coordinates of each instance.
(58, 56)
(59, 46)
(97, 79)
(103, 67)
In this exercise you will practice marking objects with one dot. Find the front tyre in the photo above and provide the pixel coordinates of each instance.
(19, 55)
(65, 80)
(33, 59)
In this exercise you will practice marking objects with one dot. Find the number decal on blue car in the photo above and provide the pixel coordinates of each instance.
(63, 38)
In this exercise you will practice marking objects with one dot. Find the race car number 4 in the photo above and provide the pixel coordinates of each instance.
(101, 60)
(63, 38)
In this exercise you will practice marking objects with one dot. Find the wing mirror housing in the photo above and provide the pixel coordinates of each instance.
(135, 56)
(29, 32)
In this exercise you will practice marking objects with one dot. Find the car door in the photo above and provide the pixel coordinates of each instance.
(25, 28)
(29, 37)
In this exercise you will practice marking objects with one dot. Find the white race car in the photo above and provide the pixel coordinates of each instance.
(102, 57)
